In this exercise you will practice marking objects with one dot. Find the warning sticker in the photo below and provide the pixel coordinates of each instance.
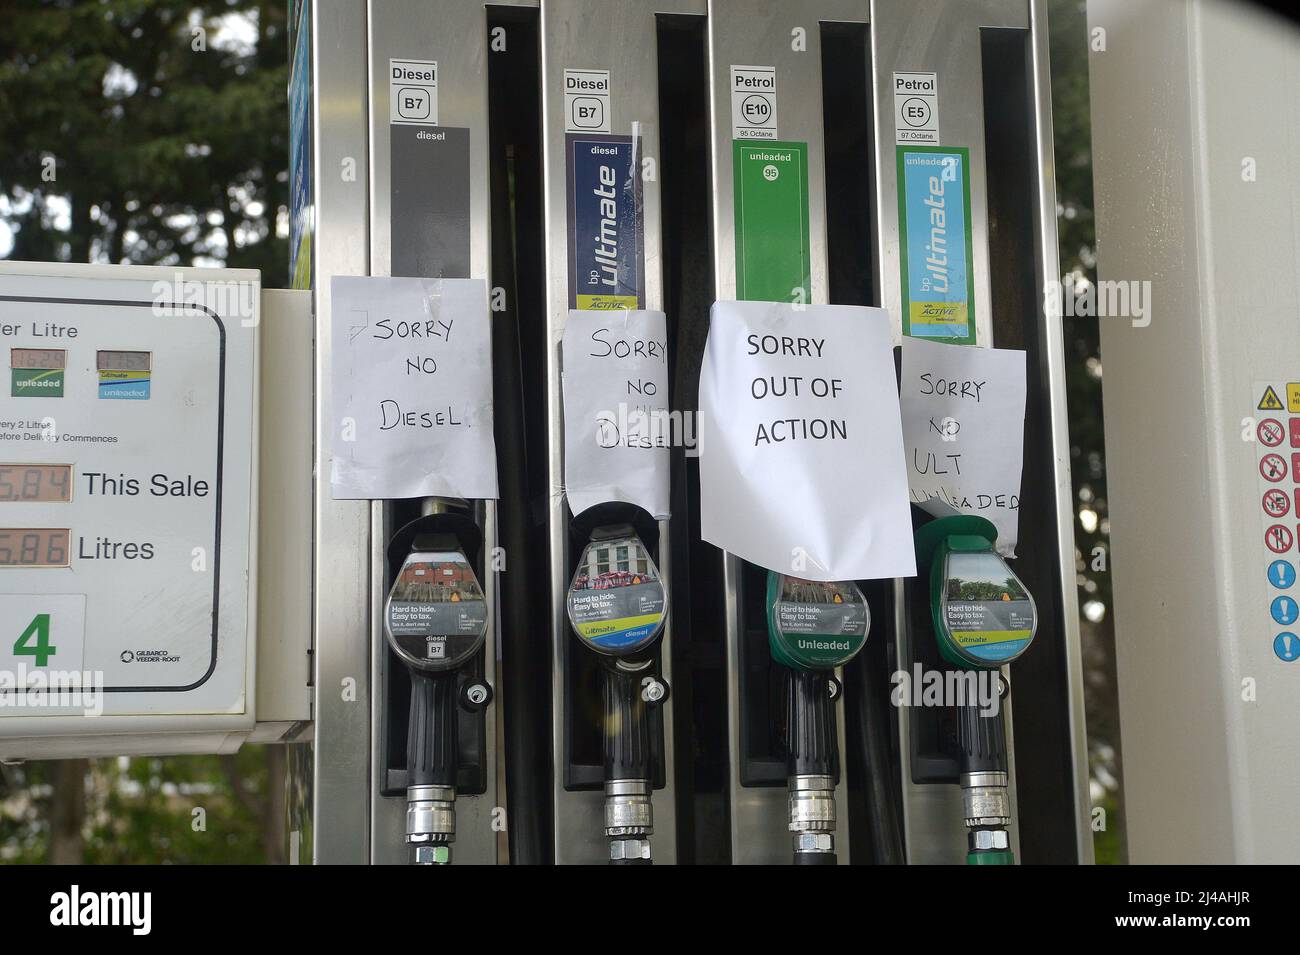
(1278, 481)
(1270, 401)
(753, 102)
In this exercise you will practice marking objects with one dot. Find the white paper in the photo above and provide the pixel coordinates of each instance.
(412, 389)
(828, 500)
(616, 423)
(964, 430)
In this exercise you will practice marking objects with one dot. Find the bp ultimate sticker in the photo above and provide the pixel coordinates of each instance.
(606, 264)
(987, 612)
(617, 602)
(934, 222)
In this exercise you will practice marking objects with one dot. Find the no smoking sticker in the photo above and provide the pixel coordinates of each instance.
(1270, 432)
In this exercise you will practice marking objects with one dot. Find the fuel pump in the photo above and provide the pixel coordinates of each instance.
(812, 628)
(984, 618)
(617, 605)
(436, 621)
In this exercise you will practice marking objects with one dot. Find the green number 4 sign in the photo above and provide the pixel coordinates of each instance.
(35, 641)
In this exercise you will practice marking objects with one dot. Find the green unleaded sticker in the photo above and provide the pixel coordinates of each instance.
(773, 263)
(37, 383)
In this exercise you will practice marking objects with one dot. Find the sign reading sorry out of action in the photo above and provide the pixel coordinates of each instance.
(801, 450)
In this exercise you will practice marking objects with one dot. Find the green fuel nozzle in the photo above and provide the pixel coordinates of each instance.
(617, 606)
(813, 627)
(984, 618)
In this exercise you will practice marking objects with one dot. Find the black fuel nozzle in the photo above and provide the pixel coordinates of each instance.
(435, 620)
(811, 745)
(617, 606)
(985, 784)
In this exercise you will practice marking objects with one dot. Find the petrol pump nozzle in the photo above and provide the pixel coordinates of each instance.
(984, 618)
(617, 607)
(435, 620)
(813, 627)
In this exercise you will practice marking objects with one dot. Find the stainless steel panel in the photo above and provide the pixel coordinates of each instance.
(760, 33)
(454, 35)
(341, 603)
(619, 36)
(941, 36)
(1050, 270)
(284, 560)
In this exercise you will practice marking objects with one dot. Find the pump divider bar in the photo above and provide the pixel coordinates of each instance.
(455, 36)
(618, 36)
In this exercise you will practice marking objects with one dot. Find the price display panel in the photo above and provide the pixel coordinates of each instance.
(127, 489)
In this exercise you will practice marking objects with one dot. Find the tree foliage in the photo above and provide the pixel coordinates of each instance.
(152, 132)
(145, 131)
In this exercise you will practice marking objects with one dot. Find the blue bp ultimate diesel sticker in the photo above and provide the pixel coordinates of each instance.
(606, 259)
(934, 221)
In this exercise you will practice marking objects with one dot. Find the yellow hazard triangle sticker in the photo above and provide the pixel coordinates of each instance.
(1270, 401)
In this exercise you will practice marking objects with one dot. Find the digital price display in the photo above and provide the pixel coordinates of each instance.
(44, 359)
(123, 360)
(34, 546)
(37, 483)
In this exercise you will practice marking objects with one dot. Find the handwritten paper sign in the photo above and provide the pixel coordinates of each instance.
(801, 451)
(964, 429)
(412, 389)
(616, 424)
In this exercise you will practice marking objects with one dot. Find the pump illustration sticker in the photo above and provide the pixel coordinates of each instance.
(436, 612)
(935, 243)
(986, 609)
(616, 600)
(606, 241)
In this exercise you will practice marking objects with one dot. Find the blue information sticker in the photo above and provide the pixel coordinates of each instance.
(935, 227)
(1281, 574)
(1285, 610)
(1286, 646)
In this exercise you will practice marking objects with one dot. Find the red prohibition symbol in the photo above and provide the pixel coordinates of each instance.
(1278, 538)
(1276, 502)
(1270, 432)
(1272, 467)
